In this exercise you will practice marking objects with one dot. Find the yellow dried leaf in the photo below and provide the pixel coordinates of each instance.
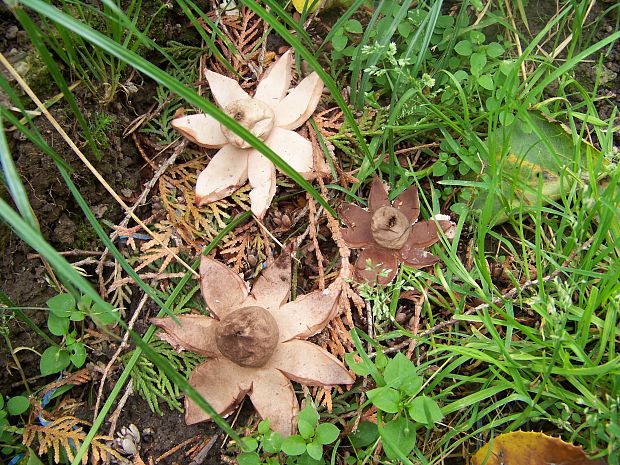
(530, 448)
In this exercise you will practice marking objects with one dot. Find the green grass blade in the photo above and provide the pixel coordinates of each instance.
(34, 33)
(13, 181)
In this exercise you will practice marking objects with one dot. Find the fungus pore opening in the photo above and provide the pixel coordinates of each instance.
(254, 115)
(389, 228)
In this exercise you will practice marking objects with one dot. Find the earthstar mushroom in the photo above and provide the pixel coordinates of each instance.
(271, 115)
(390, 233)
(254, 341)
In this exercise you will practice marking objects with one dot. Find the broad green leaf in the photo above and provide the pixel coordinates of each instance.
(365, 434)
(102, 316)
(439, 169)
(263, 426)
(424, 410)
(326, 433)
(486, 82)
(309, 415)
(272, 442)
(534, 149)
(339, 42)
(306, 429)
(58, 325)
(294, 445)
(248, 458)
(477, 62)
(54, 360)
(78, 354)
(400, 433)
(250, 444)
(398, 370)
(477, 37)
(353, 26)
(494, 50)
(17, 405)
(385, 398)
(359, 368)
(463, 48)
(506, 67)
(61, 304)
(405, 28)
(315, 450)
(77, 315)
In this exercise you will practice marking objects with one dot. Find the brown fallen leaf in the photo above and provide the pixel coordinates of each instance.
(390, 233)
(254, 343)
(530, 448)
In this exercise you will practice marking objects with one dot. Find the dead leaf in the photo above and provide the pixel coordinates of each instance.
(530, 448)
(540, 150)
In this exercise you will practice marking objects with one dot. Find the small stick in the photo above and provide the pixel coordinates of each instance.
(177, 447)
(121, 346)
(201, 456)
(415, 326)
(264, 228)
(119, 408)
(315, 241)
(70, 253)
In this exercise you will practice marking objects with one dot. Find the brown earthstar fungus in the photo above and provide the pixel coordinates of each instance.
(390, 233)
(271, 115)
(255, 343)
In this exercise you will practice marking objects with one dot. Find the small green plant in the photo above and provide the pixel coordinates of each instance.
(402, 406)
(65, 319)
(11, 435)
(100, 126)
(303, 448)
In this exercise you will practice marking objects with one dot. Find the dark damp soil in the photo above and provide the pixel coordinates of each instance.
(24, 280)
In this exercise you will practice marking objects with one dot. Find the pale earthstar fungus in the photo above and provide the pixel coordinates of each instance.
(271, 115)
(390, 233)
(255, 343)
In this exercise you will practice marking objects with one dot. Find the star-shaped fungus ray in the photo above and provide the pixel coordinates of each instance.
(271, 115)
(390, 233)
(255, 343)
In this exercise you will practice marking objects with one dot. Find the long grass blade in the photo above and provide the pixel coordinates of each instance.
(13, 181)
